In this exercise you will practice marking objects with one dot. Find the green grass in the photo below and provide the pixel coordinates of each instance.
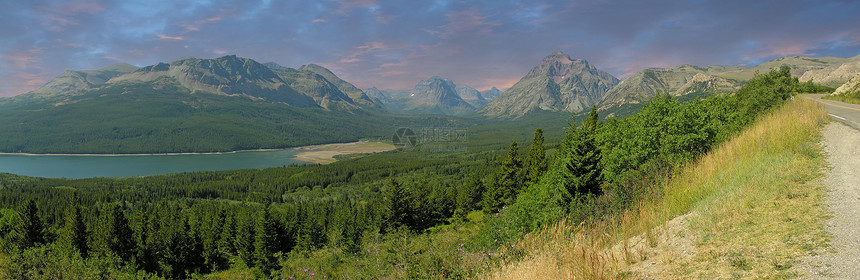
(752, 207)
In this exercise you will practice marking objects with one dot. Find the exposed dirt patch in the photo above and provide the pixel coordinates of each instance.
(324, 154)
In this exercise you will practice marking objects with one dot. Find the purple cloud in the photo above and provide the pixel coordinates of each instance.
(395, 44)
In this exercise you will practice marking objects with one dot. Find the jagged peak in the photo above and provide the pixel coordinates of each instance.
(561, 57)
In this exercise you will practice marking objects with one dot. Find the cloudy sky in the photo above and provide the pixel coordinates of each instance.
(394, 44)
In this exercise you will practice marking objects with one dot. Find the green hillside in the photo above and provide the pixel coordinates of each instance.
(161, 116)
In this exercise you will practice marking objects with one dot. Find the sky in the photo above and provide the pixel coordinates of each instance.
(395, 44)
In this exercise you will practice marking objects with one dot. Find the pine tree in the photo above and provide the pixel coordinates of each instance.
(581, 161)
(507, 182)
(537, 164)
(266, 241)
(112, 235)
(244, 242)
(396, 206)
(31, 226)
(469, 196)
(73, 237)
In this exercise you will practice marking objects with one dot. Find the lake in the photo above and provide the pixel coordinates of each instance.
(57, 166)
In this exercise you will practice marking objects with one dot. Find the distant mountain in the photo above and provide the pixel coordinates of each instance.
(558, 83)
(436, 96)
(357, 95)
(72, 82)
(678, 81)
(834, 75)
(471, 95)
(688, 81)
(188, 105)
(323, 92)
(377, 94)
(228, 75)
(491, 94)
(799, 66)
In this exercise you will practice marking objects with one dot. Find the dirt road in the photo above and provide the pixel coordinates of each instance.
(842, 144)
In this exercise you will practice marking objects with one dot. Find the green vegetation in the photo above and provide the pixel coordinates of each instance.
(147, 118)
(399, 214)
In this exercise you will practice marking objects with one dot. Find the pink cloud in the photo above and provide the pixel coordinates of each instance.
(349, 60)
(212, 19)
(319, 20)
(175, 38)
(190, 27)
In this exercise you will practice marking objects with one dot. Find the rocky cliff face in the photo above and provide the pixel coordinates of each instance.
(834, 75)
(852, 87)
(558, 83)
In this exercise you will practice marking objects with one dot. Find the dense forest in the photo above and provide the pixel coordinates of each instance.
(400, 214)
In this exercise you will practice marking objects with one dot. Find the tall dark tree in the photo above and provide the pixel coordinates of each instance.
(73, 236)
(244, 241)
(31, 225)
(396, 206)
(536, 164)
(112, 234)
(581, 158)
(266, 242)
(507, 182)
(469, 196)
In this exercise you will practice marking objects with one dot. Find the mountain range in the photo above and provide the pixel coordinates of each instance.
(238, 103)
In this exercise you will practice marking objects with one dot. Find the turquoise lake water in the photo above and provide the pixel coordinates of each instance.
(61, 166)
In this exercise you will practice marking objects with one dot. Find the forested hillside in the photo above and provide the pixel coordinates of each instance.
(397, 214)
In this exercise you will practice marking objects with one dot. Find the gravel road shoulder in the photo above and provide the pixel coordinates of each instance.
(842, 260)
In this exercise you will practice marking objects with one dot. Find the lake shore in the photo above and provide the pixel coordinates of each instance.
(147, 154)
(324, 154)
(321, 154)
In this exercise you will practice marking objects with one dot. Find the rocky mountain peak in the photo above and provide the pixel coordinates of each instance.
(558, 83)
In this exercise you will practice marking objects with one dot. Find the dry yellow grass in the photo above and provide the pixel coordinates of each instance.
(747, 209)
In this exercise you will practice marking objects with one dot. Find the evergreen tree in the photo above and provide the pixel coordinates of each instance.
(581, 158)
(112, 234)
(266, 242)
(469, 196)
(244, 241)
(31, 226)
(507, 182)
(73, 236)
(396, 206)
(537, 163)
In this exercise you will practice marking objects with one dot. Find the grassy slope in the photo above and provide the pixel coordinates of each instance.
(755, 210)
(853, 99)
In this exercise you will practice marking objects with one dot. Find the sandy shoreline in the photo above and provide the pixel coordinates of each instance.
(322, 154)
